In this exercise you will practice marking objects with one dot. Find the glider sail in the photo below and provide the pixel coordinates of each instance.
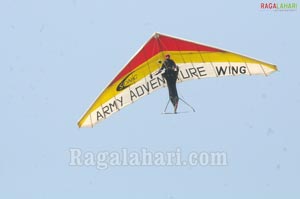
(195, 61)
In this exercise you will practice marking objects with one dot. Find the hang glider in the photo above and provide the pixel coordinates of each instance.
(195, 61)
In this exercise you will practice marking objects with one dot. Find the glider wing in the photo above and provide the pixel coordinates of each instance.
(195, 61)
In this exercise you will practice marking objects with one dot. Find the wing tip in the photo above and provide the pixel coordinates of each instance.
(274, 67)
(79, 124)
(83, 124)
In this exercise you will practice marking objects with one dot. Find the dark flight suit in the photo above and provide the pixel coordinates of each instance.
(171, 74)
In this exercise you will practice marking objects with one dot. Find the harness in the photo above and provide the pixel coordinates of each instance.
(170, 69)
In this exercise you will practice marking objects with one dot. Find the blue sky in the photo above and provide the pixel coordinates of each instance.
(56, 57)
